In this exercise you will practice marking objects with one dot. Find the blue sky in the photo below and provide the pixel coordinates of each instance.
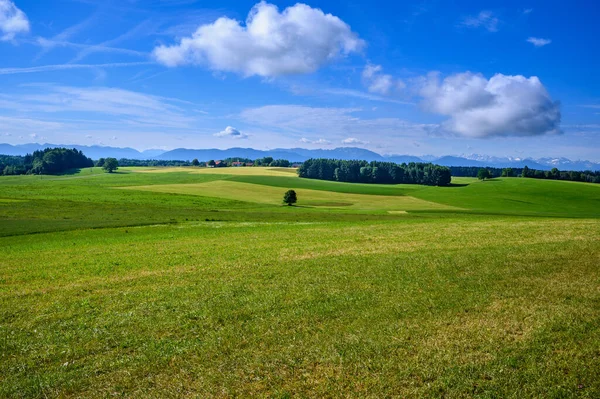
(502, 78)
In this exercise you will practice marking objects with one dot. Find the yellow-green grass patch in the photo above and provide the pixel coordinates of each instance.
(312, 198)
(241, 171)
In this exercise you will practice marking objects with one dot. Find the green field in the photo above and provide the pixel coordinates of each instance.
(189, 282)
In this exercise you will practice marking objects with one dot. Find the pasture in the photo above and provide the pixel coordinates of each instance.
(188, 282)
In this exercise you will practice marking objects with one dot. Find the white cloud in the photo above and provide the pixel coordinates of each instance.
(378, 82)
(12, 21)
(501, 106)
(537, 42)
(353, 140)
(231, 133)
(484, 19)
(319, 141)
(527, 11)
(298, 40)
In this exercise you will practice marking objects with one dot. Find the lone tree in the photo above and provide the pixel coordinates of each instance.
(290, 197)
(110, 165)
(195, 162)
(483, 174)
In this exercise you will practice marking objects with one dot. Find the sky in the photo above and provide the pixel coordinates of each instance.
(500, 78)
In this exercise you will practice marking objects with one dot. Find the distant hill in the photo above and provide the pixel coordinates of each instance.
(302, 154)
(94, 152)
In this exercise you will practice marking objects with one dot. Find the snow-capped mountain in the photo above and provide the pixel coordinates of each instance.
(560, 163)
(302, 154)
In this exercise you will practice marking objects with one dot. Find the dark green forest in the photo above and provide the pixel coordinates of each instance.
(49, 161)
(375, 172)
(587, 176)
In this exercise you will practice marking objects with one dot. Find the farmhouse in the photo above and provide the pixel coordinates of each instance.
(237, 164)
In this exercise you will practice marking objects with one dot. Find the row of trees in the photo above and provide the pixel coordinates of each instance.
(139, 162)
(376, 172)
(47, 161)
(554, 174)
(472, 171)
(266, 161)
(269, 161)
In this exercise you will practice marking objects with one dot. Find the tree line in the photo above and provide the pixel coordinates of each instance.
(375, 172)
(147, 162)
(266, 161)
(473, 171)
(48, 161)
(587, 176)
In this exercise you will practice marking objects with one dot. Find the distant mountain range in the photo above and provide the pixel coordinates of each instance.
(302, 154)
(94, 152)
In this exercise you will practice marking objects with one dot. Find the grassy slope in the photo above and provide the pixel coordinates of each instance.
(511, 196)
(291, 301)
(312, 198)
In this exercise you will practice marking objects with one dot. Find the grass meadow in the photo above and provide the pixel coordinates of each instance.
(189, 282)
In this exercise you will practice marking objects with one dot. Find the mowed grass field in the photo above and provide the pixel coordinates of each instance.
(185, 282)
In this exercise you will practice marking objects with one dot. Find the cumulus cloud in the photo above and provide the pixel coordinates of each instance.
(319, 141)
(353, 140)
(231, 133)
(537, 42)
(501, 106)
(378, 82)
(12, 20)
(485, 19)
(298, 40)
